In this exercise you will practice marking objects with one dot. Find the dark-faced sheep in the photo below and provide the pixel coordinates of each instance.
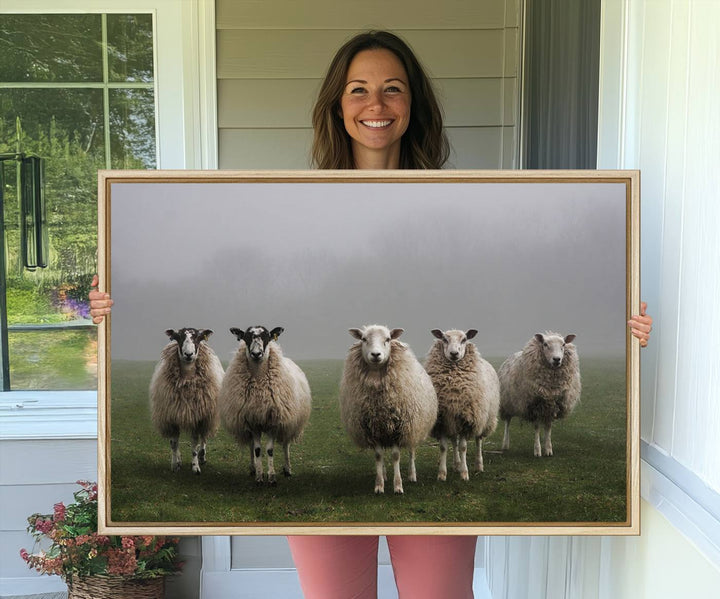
(264, 393)
(468, 393)
(540, 384)
(387, 400)
(183, 393)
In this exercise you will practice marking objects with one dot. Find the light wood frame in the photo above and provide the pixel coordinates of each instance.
(629, 178)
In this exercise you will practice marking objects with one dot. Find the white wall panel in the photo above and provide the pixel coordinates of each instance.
(331, 14)
(255, 53)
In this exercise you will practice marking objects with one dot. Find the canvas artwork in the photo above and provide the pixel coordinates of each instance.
(336, 352)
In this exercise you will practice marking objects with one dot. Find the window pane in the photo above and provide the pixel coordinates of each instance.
(132, 128)
(65, 127)
(53, 359)
(130, 47)
(38, 48)
(52, 343)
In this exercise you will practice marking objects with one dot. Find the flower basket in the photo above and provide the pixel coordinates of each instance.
(96, 566)
(116, 587)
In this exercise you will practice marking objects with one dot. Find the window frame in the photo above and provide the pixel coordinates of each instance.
(183, 32)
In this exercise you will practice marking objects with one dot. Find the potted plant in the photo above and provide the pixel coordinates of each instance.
(95, 565)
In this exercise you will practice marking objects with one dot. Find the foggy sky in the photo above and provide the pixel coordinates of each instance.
(318, 258)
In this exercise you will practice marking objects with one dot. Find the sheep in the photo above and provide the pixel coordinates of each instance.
(264, 393)
(468, 393)
(183, 393)
(540, 384)
(387, 400)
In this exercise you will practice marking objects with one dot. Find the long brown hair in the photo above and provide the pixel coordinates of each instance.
(424, 144)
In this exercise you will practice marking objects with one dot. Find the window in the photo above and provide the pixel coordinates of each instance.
(77, 90)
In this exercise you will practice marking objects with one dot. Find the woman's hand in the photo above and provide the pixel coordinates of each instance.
(641, 325)
(100, 303)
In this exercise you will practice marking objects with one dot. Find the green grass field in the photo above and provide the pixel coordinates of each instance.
(585, 481)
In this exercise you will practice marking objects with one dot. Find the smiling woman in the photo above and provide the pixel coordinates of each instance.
(375, 108)
(363, 116)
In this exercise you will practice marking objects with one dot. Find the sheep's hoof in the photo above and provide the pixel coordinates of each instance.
(379, 490)
(201, 457)
(465, 475)
(196, 470)
(442, 475)
(175, 467)
(399, 491)
(286, 471)
(272, 481)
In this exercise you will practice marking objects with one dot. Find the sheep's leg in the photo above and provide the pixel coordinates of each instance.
(175, 460)
(202, 454)
(548, 439)
(463, 459)
(252, 460)
(197, 444)
(270, 448)
(456, 453)
(286, 466)
(413, 473)
(257, 461)
(397, 479)
(537, 452)
(442, 466)
(379, 471)
(506, 436)
(479, 466)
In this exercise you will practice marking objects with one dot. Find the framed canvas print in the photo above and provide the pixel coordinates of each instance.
(369, 352)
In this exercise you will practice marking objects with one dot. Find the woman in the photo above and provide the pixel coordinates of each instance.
(377, 110)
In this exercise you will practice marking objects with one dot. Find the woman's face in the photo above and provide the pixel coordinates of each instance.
(375, 103)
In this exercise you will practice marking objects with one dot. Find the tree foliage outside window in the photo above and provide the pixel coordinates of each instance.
(77, 90)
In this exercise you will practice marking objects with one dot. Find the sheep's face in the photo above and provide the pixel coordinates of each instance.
(188, 341)
(257, 341)
(375, 341)
(553, 348)
(454, 343)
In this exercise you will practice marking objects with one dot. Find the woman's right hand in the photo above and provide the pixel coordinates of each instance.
(100, 302)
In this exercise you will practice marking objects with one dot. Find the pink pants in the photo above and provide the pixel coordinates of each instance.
(345, 567)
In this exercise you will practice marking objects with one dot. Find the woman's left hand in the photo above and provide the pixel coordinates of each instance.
(641, 325)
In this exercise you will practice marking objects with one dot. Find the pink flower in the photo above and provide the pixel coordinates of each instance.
(59, 509)
(121, 562)
(25, 555)
(43, 526)
(128, 543)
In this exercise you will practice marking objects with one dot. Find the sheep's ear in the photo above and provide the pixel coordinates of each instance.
(395, 333)
(276, 332)
(357, 333)
(471, 333)
(239, 334)
(539, 338)
(204, 334)
(170, 333)
(569, 338)
(437, 333)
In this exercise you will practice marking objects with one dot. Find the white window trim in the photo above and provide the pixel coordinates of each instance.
(186, 125)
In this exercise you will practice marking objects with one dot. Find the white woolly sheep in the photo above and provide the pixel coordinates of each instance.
(264, 393)
(387, 400)
(468, 393)
(540, 384)
(183, 393)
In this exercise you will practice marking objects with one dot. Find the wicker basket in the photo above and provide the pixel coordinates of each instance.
(116, 587)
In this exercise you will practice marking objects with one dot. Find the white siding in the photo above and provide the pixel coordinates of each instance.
(271, 58)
